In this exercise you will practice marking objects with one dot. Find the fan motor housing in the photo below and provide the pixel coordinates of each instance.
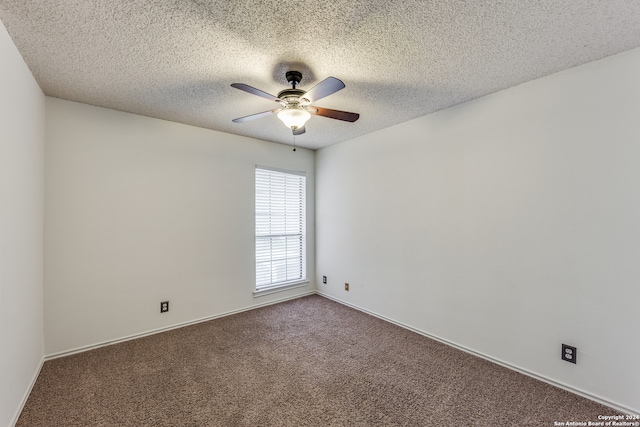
(290, 93)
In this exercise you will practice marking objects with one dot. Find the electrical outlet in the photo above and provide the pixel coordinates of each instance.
(324, 279)
(569, 353)
(164, 306)
(346, 286)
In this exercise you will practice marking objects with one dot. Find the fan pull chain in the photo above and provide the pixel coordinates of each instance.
(294, 142)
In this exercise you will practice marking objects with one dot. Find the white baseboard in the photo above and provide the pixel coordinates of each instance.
(169, 328)
(26, 394)
(623, 409)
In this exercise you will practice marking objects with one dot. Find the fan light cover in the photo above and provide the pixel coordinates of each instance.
(294, 118)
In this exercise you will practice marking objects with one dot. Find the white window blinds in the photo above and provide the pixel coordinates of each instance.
(280, 228)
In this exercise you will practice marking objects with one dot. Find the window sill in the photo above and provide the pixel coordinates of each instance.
(280, 288)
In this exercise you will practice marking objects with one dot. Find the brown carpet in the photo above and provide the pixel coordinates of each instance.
(306, 362)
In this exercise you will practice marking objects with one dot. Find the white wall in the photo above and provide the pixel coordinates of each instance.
(22, 108)
(507, 225)
(138, 211)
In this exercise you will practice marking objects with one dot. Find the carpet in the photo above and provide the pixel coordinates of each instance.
(304, 362)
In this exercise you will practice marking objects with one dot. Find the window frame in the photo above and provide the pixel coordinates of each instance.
(283, 236)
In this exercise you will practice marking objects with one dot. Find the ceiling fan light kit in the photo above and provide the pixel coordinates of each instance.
(294, 118)
(295, 104)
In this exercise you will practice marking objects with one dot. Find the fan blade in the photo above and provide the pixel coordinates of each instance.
(335, 114)
(299, 131)
(255, 116)
(324, 88)
(254, 91)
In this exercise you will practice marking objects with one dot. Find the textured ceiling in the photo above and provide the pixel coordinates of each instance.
(176, 59)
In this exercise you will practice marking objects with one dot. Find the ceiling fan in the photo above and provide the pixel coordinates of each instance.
(295, 104)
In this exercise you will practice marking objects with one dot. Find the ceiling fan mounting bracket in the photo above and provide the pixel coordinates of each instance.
(293, 77)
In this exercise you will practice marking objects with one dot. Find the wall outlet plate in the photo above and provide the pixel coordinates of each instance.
(164, 306)
(324, 279)
(569, 353)
(346, 286)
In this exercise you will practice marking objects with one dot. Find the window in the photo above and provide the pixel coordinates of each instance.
(280, 229)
